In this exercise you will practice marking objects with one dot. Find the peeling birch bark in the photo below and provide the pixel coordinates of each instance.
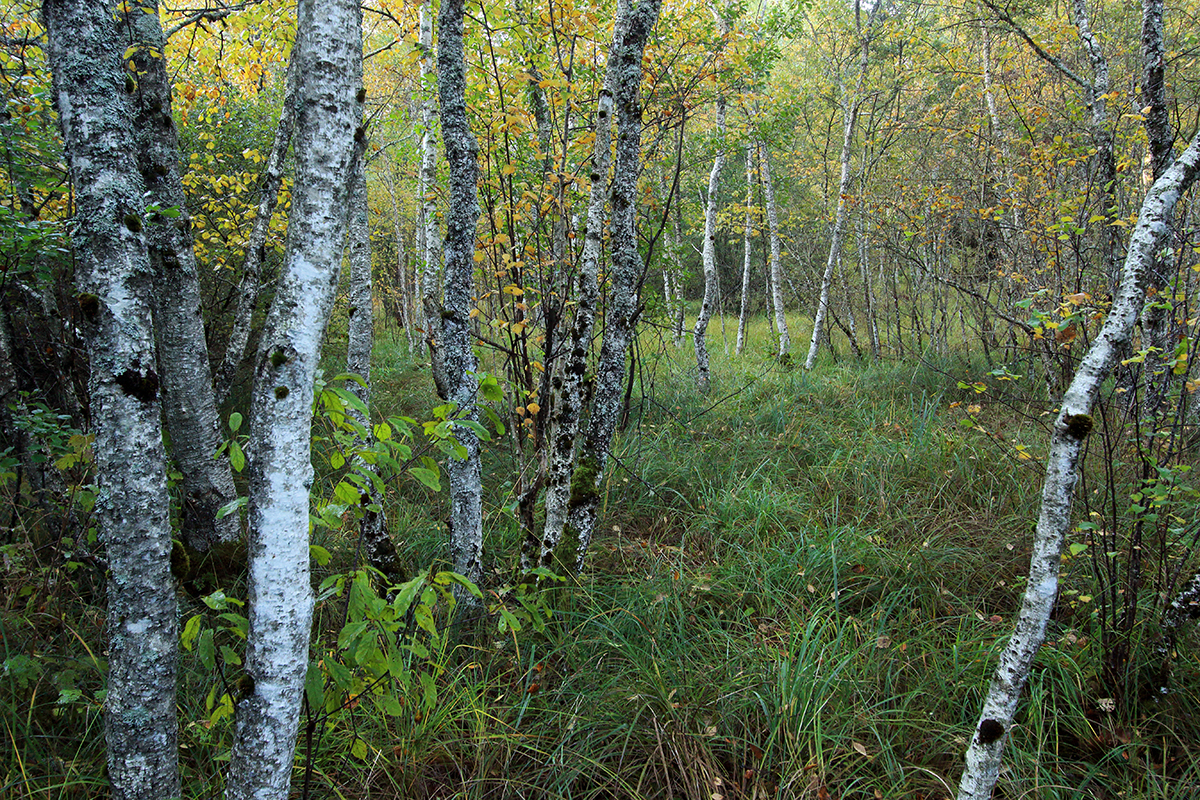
(449, 330)
(567, 387)
(114, 279)
(627, 269)
(1070, 430)
(280, 466)
(251, 283)
(189, 404)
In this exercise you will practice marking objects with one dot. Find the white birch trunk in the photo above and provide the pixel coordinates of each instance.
(1070, 430)
(747, 252)
(709, 253)
(850, 106)
(425, 282)
(280, 465)
(776, 268)
(449, 322)
(567, 388)
(838, 233)
(251, 283)
(189, 404)
(626, 273)
(114, 278)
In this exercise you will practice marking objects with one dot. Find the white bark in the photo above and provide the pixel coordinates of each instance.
(1070, 429)
(428, 237)
(251, 283)
(776, 268)
(747, 252)
(115, 278)
(280, 465)
(189, 404)
(567, 387)
(709, 252)
(449, 326)
(850, 108)
(627, 269)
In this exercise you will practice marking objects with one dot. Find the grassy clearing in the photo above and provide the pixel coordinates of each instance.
(798, 590)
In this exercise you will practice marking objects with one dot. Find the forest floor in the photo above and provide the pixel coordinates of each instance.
(798, 590)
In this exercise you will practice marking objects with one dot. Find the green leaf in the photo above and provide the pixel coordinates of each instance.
(508, 621)
(314, 686)
(427, 477)
(237, 459)
(359, 749)
(464, 582)
(1077, 548)
(319, 554)
(231, 507)
(190, 631)
(430, 691)
(337, 460)
(347, 493)
(206, 650)
(390, 705)
(230, 656)
(235, 421)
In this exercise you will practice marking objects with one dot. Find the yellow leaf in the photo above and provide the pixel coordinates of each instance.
(533, 408)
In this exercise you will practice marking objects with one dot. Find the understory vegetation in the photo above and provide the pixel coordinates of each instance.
(798, 589)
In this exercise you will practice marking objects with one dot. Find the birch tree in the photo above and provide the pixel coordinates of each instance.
(567, 390)
(627, 269)
(1071, 429)
(851, 103)
(268, 197)
(448, 320)
(776, 266)
(114, 279)
(329, 44)
(427, 225)
(189, 405)
(747, 252)
(709, 250)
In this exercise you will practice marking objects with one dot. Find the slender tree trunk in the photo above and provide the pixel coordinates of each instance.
(709, 253)
(567, 392)
(376, 543)
(850, 106)
(1158, 316)
(189, 405)
(256, 243)
(114, 279)
(428, 235)
(280, 462)
(451, 338)
(744, 310)
(776, 268)
(626, 274)
(864, 271)
(1070, 430)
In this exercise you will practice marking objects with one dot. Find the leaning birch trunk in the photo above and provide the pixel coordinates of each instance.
(709, 256)
(776, 269)
(744, 309)
(567, 390)
(449, 328)
(256, 242)
(839, 230)
(114, 278)
(189, 404)
(627, 269)
(425, 281)
(280, 465)
(1070, 430)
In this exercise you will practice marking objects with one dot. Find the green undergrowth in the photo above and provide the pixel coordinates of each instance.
(798, 589)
